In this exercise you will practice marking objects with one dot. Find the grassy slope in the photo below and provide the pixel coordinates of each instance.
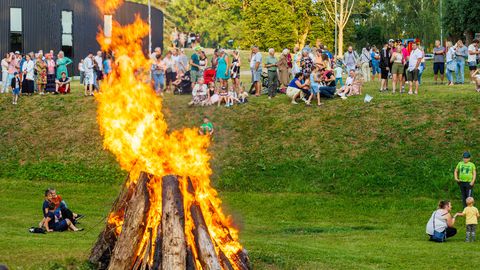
(349, 185)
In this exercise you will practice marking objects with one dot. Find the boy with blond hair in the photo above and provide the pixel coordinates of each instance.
(471, 219)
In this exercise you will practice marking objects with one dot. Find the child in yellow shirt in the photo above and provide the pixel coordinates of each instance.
(471, 219)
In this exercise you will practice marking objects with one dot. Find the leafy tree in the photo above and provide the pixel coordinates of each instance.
(462, 18)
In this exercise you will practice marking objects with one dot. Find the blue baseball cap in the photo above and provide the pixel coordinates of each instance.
(466, 154)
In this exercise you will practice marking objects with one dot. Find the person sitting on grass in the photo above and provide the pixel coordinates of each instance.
(465, 174)
(440, 225)
(60, 206)
(16, 84)
(200, 94)
(476, 79)
(242, 95)
(63, 84)
(206, 128)
(53, 223)
(471, 219)
(294, 89)
(223, 97)
(348, 87)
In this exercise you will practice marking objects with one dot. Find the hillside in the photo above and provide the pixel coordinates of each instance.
(310, 188)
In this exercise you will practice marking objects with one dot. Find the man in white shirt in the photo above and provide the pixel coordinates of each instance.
(256, 68)
(414, 61)
(99, 60)
(473, 53)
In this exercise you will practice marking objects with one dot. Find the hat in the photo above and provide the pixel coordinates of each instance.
(390, 41)
(466, 154)
(17, 52)
(15, 73)
(198, 48)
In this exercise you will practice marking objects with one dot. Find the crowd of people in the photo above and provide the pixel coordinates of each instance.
(47, 73)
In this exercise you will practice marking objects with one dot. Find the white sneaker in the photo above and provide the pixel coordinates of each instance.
(304, 100)
(294, 102)
(343, 97)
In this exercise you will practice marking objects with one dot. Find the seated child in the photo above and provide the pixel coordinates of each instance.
(63, 84)
(242, 95)
(471, 219)
(476, 79)
(211, 88)
(348, 87)
(223, 97)
(16, 84)
(53, 222)
(232, 97)
(207, 127)
(178, 80)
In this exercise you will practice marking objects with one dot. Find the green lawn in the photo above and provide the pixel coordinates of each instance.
(346, 186)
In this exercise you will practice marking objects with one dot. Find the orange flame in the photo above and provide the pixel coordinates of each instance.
(131, 120)
(108, 6)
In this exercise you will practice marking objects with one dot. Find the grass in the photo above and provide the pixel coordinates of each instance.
(346, 186)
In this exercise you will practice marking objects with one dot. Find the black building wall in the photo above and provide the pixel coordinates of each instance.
(42, 28)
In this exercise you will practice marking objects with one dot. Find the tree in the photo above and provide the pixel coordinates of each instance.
(339, 12)
(463, 18)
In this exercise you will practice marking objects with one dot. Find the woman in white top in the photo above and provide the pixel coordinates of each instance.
(28, 76)
(441, 221)
(450, 62)
(397, 67)
(5, 61)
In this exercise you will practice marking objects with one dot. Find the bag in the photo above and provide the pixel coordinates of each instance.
(37, 230)
(437, 236)
(370, 63)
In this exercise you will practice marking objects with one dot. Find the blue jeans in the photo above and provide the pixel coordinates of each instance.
(327, 91)
(449, 72)
(459, 69)
(421, 69)
(159, 81)
(339, 80)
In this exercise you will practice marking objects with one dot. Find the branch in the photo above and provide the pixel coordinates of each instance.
(330, 10)
(348, 13)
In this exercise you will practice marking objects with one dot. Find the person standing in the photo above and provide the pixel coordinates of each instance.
(158, 73)
(384, 67)
(41, 70)
(365, 60)
(182, 63)
(397, 68)
(89, 80)
(438, 61)
(450, 62)
(5, 82)
(297, 55)
(171, 71)
(414, 62)
(50, 87)
(473, 53)
(465, 174)
(271, 66)
(222, 71)
(235, 70)
(282, 65)
(28, 73)
(461, 52)
(62, 63)
(375, 63)
(350, 59)
(256, 69)
(195, 66)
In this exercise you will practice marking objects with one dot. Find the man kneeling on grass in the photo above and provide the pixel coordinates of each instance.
(53, 223)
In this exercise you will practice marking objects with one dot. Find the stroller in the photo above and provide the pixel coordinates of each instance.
(264, 81)
(209, 75)
(185, 85)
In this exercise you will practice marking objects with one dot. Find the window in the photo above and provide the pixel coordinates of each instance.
(67, 33)
(16, 29)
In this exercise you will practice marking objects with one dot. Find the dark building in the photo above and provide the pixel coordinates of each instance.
(67, 25)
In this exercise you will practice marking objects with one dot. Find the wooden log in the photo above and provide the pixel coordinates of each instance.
(174, 246)
(205, 249)
(226, 265)
(102, 250)
(133, 228)
(157, 254)
(190, 259)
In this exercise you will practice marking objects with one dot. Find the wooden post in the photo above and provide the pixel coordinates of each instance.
(102, 250)
(206, 251)
(133, 228)
(174, 251)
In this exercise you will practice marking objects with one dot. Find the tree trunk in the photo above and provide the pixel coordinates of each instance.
(174, 251)
(133, 228)
(340, 41)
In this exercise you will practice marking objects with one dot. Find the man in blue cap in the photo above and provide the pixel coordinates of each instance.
(465, 175)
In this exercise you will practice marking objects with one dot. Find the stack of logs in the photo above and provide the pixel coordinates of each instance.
(119, 251)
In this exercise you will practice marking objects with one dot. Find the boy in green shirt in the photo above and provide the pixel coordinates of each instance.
(465, 175)
(207, 127)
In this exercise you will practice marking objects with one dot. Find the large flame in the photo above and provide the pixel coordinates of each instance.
(134, 129)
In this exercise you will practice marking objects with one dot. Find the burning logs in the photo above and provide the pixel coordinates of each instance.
(154, 236)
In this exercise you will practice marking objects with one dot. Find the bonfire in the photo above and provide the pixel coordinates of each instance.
(167, 216)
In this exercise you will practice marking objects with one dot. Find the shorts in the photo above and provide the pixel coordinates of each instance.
(171, 77)
(412, 76)
(292, 91)
(384, 73)
(194, 75)
(397, 69)
(89, 78)
(16, 91)
(61, 226)
(438, 68)
(256, 75)
(472, 66)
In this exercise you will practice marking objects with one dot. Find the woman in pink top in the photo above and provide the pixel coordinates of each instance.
(50, 88)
